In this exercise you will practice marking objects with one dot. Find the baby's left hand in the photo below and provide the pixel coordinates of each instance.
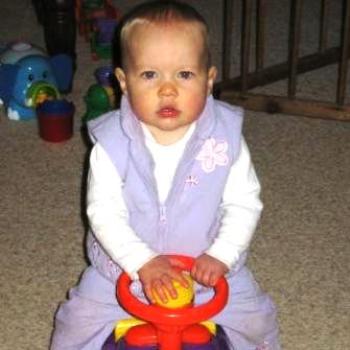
(207, 270)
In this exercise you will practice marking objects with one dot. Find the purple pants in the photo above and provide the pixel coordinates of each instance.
(87, 319)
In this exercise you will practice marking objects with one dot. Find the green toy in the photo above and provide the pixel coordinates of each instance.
(93, 4)
(98, 101)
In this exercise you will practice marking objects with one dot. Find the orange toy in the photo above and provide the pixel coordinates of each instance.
(166, 327)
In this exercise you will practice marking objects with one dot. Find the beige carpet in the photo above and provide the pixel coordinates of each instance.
(301, 253)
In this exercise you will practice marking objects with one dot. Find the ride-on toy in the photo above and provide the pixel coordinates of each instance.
(164, 327)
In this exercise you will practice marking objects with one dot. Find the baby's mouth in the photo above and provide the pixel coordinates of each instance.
(168, 112)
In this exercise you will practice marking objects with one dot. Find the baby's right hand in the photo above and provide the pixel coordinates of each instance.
(157, 277)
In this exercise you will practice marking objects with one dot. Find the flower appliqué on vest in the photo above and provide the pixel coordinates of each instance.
(213, 153)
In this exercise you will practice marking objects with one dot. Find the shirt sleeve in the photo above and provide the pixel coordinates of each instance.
(108, 215)
(241, 208)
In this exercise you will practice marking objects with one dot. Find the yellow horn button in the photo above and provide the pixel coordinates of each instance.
(184, 295)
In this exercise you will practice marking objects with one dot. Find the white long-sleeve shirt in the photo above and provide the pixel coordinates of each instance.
(108, 214)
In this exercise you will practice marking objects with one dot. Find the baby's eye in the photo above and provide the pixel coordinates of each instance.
(148, 75)
(186, 75)
(45, 74)
(31, 77)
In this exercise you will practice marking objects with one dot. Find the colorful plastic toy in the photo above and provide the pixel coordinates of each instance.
(104, 75)
(87, 11)
(101, 38)
(97, 102)
(28, 77)
(55, 119)
(100, 97)
(172, 328)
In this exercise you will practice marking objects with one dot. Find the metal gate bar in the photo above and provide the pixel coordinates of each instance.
(324, 22)
(246, 35)
(343, 66)
(294, 42)
(227, 39)
(260, 34)
(235, 90)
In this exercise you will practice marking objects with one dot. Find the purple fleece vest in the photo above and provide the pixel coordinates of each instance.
(188, 221)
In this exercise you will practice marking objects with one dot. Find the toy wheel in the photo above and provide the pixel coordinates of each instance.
(172, 317)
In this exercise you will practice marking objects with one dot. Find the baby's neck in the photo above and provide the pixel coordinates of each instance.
(164, 137)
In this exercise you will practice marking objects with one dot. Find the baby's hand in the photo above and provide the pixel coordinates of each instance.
(207, 270)
(157, 277)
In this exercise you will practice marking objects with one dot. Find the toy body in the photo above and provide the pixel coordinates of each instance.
(100, 98)
(101, 38)
(170, 328)
(87, 11)
(28, 77)
(55, 120)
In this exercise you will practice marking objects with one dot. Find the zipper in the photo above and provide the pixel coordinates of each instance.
(162, 228)
(162, 214)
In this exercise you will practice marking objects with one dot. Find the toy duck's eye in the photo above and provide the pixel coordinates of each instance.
(31, 77)
(45, 74)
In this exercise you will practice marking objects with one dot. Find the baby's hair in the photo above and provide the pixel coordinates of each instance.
(158, 12)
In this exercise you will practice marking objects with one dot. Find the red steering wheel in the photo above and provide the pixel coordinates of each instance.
(171, 322)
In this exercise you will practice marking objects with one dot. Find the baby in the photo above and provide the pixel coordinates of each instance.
(170, 173)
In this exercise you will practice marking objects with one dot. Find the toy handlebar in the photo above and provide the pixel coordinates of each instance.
(159, 315)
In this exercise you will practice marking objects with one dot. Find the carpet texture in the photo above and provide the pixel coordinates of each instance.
(301, 251)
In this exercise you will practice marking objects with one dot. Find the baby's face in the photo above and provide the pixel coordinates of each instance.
(166, 78)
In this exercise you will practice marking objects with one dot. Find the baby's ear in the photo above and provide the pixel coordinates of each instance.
(120, 75)
(212, 73)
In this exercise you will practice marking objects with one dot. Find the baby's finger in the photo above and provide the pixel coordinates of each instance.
(181, 279)
(149, 293)
(159, 291)
(205, 278)
(213, 279)
(169, 286)
(202, 276)
(197, 273)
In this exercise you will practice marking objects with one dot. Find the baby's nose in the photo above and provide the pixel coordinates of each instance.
(167, 88)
